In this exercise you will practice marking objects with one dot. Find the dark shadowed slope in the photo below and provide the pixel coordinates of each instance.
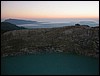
(6, 26)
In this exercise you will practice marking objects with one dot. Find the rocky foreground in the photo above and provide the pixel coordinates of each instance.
(82, 40)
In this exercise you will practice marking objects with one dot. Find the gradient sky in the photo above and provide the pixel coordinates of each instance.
(49, 9)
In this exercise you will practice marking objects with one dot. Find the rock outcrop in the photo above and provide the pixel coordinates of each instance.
(81, 40)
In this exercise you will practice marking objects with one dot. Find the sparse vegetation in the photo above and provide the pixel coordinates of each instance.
(73, 39)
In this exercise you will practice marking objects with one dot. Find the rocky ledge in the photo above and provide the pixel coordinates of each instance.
(82, 40)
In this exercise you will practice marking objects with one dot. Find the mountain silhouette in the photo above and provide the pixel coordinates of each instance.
(20, 22)
(6, 26)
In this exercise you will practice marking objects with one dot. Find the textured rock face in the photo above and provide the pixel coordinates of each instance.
(74, 39)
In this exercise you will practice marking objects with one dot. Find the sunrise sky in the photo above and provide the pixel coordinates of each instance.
(49, 9)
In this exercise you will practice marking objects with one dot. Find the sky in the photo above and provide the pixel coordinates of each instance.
(49, 9)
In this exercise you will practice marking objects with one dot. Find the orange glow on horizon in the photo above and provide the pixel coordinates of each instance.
(45, 16)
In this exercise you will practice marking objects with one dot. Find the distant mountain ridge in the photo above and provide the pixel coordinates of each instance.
(19, 21)
(91, 23)
(35, 24)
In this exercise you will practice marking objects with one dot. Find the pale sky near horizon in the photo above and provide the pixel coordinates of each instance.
(49, 9)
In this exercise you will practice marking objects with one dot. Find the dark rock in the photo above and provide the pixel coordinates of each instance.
(71, 39)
